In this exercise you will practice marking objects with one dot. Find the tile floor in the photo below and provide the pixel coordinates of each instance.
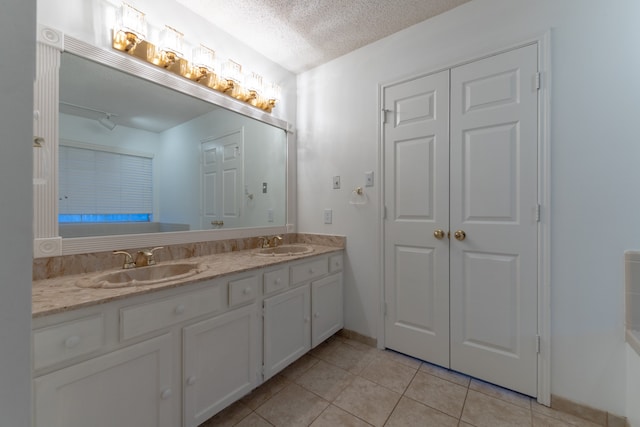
(346, 383)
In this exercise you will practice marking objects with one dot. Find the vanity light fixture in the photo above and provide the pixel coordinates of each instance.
(130, 29)
(129, 36)
(171, 46)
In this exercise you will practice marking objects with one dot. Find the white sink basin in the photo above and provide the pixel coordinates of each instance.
(142, 275)
(285, 250)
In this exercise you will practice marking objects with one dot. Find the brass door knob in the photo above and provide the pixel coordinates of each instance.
(460, 235)
(438, 234)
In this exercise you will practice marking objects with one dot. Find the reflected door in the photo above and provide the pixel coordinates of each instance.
(222, 169)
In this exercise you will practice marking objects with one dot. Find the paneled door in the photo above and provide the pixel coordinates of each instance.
(222, 182)
(494, 193)
(416, 157)
(476, 282)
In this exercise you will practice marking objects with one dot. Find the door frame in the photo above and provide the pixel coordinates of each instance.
(543, 42)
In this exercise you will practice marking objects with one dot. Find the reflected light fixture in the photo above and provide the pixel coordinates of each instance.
(130, 36)
(104, 120)
(107, 122)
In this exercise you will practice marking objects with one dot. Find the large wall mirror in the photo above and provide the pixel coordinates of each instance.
(140, 158)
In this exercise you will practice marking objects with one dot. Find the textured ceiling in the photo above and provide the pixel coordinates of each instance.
(302, 34)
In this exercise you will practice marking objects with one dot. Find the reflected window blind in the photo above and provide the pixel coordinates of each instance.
(93, 182)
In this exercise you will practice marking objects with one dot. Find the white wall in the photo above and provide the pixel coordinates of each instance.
(17, 42)
(596, 63)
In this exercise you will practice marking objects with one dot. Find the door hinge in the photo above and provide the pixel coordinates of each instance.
(537, 78)
(384, 213)
(384, 115)
(264, 311)
(385, 308)
(538, 209)
(537, 344)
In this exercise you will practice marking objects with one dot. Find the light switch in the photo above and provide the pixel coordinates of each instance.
(270, 215)
(336, 182)
(328, 216)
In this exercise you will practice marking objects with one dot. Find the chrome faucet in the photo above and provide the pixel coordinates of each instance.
(145, 257)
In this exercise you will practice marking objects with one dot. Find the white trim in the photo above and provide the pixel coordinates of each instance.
(543, 41)
(544, 225)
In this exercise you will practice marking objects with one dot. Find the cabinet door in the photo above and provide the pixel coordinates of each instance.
(221, 360)
(326, 308)
(287, 329)
(128, 387)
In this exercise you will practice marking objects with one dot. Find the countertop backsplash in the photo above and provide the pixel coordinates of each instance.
(52, 267)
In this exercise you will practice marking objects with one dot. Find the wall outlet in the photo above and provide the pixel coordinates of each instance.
(336, 182)
(368, 178)
(328, 216)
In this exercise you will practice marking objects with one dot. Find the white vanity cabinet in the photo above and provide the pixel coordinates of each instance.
(222, 355)
(132, 386)
(301, 318)
(287, 332)
(326, 308)
(178, 356)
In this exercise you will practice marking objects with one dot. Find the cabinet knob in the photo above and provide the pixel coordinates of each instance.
(311, 271)
(316, 315)
(166, 393)
(277, 281)
(306, 320)
(191, 380)
(179, 309)
(247, 291)
(72, 341)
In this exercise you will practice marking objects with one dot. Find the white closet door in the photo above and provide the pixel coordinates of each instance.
(493, 201)
(416, 153)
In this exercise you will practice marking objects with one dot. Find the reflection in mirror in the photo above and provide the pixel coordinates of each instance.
(137, 157)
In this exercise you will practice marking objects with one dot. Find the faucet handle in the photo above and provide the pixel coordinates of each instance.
(263, 242)
(148, 253)
(128, 259)
(275, 240)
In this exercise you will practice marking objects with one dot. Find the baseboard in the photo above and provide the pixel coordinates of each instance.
(598, 416)
(353, 335)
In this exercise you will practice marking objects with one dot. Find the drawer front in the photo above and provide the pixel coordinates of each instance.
(141, 319)
(243, 290)
(309, 270)
(335, 263)
(276, 280)
(65, 341)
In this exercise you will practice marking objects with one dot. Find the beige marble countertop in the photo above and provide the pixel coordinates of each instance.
(50, 296)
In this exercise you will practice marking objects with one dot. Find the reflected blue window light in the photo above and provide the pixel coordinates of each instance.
(93, 218)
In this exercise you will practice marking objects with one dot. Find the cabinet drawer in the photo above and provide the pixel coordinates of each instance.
(243, 290)
(276, 281)
(144, 318)
(309, 270)
(335, 263)
(67, 340)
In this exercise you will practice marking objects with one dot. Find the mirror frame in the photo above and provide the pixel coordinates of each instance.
(47, 242)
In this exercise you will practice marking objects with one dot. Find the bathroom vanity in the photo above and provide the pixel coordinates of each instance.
(178, 352)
